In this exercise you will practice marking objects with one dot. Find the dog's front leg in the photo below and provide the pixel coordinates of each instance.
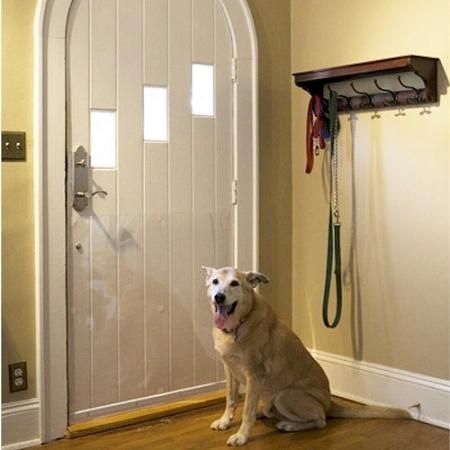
(232, 392)
(254, 388)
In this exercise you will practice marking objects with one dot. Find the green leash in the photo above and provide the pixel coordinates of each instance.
(334, 236)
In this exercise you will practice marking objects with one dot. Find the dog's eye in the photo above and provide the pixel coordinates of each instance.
(215, 281)
(234, 283)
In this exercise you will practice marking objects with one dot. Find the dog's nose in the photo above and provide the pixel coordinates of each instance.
(219, 297)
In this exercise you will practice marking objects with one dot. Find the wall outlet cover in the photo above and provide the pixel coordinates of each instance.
(18, 379)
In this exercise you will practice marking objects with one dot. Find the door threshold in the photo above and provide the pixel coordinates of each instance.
(123, 419)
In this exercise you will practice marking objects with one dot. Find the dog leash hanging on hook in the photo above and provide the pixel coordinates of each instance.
(334, 225)
(316, 130)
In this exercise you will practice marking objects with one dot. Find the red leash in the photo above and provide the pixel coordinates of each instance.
(314, 130)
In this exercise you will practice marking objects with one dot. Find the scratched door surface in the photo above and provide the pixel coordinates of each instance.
(139, 326)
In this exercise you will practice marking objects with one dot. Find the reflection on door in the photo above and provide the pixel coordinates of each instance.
(150, 98)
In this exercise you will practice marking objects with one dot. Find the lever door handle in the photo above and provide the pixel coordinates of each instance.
(81, 163)
(90, 194)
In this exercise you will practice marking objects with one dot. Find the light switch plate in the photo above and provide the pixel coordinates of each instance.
(14, 146)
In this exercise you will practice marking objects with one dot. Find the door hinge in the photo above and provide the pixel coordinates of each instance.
(234, 192)
(234, 73)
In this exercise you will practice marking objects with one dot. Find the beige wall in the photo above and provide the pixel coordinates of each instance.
(272, 22)
(18, 313)
(401, 170)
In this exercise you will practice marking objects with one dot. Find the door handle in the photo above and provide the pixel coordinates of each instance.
(79, 179)
(89, 195)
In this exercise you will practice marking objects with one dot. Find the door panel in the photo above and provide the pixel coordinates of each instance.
(180, 197)
(203, 12)
(204, 224)
(103, 54)
(139, 321)
(103, 310)
(157, 268)
(156, 42)
(131, 305)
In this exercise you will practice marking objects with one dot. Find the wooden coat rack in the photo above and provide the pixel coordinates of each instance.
(401, 81)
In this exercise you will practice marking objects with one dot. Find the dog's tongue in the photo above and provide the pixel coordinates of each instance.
(220, 318)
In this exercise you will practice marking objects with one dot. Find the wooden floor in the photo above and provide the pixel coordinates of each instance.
(190, 431)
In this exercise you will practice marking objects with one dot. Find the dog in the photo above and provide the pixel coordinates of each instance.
(263, 354)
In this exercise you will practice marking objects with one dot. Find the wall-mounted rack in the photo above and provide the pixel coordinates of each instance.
(401, 81)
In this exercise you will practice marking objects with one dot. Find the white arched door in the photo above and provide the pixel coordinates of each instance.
(161, 179)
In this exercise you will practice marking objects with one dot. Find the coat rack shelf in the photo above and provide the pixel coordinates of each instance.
(401, 81)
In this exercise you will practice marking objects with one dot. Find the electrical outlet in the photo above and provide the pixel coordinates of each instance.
(18, 377)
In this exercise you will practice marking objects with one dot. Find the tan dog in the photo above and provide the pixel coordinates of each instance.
(259, 351)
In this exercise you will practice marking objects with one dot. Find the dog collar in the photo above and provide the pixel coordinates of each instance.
(236, 329)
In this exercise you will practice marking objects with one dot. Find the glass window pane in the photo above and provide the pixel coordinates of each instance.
(202, 90)
(103, 139)
(155, 113)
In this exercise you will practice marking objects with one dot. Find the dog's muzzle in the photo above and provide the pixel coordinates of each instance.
(222, 312)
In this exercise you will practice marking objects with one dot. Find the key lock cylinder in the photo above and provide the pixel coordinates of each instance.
(80, 180)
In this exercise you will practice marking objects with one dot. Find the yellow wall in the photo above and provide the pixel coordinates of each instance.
(272, 23)
(401, 170)
(18, 313)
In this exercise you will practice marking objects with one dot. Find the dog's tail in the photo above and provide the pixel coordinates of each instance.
(358, 411)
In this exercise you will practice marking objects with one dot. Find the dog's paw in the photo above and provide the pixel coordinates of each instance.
(287, 427)
(221, 424)
(235, 440)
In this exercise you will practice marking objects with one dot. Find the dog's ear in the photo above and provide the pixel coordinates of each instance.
(255, 278)
(209, 271)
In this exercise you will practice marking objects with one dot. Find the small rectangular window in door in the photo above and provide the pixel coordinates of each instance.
(202, 90)
(103, 139)
(155, 113)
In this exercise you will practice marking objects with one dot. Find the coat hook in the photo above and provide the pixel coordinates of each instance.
(347, 99)
(417, 92)
(375, 115)
(362, 93)
(394, 97)
(401, 112)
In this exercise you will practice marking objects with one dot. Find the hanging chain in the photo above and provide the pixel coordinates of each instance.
(334, 170)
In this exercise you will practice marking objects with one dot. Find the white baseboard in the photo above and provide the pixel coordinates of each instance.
(21, 445)
(427, 398)
(20, 424)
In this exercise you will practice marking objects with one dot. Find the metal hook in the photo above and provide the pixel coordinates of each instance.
(375, 115)
(416, 98)
(394, 96)
(347, 99)
(362, 93)
(401, 112)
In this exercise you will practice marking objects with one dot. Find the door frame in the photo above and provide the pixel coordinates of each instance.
(50, 198)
